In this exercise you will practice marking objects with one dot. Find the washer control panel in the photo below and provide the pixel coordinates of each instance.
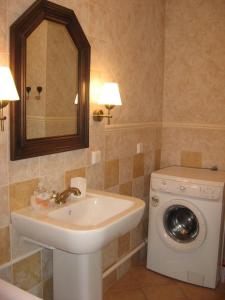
(186, 188)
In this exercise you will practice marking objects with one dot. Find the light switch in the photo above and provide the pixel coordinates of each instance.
(96, 157)
(140, 148)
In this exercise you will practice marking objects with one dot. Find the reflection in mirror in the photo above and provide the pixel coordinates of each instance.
(51, 82)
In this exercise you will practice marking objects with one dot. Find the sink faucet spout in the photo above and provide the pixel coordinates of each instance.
(62, 197)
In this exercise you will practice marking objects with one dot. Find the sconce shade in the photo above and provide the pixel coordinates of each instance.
(110, 94)
(8, 90)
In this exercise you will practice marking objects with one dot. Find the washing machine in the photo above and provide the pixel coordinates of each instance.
(186, 224)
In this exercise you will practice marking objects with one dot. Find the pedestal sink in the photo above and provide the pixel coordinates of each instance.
(77, 232)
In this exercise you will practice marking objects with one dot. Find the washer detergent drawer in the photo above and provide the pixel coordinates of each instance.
(187, 189)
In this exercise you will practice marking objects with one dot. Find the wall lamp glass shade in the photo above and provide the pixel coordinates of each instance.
(110, 96)
(8, 91)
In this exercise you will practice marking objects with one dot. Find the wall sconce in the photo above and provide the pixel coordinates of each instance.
(110, 97)
(8, 91)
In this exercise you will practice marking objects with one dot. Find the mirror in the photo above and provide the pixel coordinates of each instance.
(50, 60)
(51, 88)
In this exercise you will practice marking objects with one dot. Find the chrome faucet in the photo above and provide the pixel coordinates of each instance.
(62, 197)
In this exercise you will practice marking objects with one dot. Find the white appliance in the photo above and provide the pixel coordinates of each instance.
(186, 224)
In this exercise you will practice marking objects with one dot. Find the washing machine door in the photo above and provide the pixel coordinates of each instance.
(181, 225)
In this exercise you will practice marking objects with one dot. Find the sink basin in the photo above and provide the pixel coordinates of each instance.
(83, 225)
(77, 231)
(92, 211)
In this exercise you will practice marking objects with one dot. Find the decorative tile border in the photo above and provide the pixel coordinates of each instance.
(132, 126)
(193, 126)
(142, 125)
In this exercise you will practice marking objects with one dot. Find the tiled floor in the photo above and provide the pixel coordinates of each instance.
(141, 284)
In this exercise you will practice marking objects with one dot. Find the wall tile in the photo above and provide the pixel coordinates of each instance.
(95, 176)
(157, 159)
(37, 290)
(139, 258)
(4, 245)
(114, 189)
(20, 193)
(138, 165)
(27, 272)
(74, 173)
(3, 164)
(146, 185)
(48, 289)
(6, 274)
(111, 173)
(52, 164)
(126, 188)
(24, 169)
(53, 182)
(138, 187)
(209, 142)
(127, 146)
(191, 159)
(47, 264)
(124, 268)
(76, 159)
(4, 206)
(136, 236)
(125, 170)
(123, 244)
(109, 280)
(109, 254)
(149, 163)
(112, 146)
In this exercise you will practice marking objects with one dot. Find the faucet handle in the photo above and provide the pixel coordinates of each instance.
(56, 198)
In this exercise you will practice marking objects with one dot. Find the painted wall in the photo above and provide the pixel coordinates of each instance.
(127, 47)
(194, 89)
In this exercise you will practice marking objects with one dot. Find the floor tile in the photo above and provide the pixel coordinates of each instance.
(127, 282)
(164, 292)
(146, 277)
(142, 284)
(193, 292)
(125, 295)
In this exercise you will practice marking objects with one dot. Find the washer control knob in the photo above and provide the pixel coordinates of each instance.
(155, 201)
(182, 188)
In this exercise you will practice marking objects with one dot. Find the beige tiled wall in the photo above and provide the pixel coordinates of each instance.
(127, 47)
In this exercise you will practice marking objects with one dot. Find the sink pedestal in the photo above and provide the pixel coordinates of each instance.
(77, 276)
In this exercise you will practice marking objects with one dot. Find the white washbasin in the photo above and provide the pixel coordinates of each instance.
(92, 211)
(81, 226)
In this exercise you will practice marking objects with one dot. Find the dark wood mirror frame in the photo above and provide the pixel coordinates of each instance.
(20, 147)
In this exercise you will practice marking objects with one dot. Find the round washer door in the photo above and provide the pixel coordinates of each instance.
(181, 225)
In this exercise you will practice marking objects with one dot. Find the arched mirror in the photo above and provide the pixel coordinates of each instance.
(50, 60)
